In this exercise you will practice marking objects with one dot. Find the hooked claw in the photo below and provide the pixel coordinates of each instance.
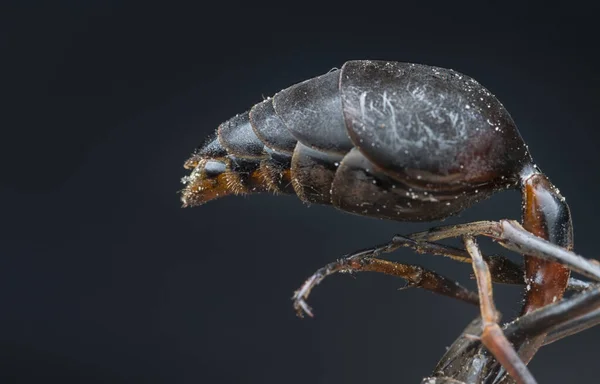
(302, 294)
(302, 307)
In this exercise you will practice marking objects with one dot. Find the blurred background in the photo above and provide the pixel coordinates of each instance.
(105, 279)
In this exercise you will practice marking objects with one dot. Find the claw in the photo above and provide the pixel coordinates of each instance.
(300, 304)
(300, 295)
(407, 286)
(302, 308)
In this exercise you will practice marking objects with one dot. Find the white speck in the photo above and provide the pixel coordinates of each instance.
(528, 287)
(374, 182)
(448, 203)
(467, 106)
(418, 177)
(336, 164)
(554, 299)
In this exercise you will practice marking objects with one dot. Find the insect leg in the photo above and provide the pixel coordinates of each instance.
(449, 231)
(510, 234)
(556, 321)
(561, 319)
(491, 335)
(516, 238)
(503, 270)
(574, 326)
(415, 275)
(464, 359)
(577, 285)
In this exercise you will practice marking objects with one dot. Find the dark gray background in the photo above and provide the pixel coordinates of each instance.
(104, 279)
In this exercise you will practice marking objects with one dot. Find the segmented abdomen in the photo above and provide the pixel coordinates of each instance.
(389, 140)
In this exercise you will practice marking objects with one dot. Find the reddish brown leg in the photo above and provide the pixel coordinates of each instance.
(415, 275)
(491, 335)
(546, 215)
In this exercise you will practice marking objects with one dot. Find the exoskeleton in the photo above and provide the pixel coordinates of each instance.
(407, 142)
(335, 139)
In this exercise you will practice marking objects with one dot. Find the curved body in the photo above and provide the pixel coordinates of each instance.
(390, 140)
(397, 141)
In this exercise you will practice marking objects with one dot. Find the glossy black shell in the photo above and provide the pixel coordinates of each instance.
(384, 139)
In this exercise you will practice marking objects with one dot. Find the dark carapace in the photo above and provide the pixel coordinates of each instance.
(391, 140)
(397, 141)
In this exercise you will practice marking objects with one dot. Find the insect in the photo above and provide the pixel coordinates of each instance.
(411, 142)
